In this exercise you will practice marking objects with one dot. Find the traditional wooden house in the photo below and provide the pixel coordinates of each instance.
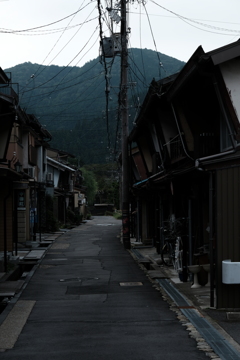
(28, 174)
(22, 170)
(185, 164)
(8, 106)
(28, 143)
(67, 190)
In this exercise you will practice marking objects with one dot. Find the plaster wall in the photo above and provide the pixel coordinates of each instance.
(231, 75)
(40, 176)
(169, 132)
(56, 174)
(25, 152)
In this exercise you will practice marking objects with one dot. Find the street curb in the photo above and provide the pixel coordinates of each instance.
(202, 344)
(16, 297)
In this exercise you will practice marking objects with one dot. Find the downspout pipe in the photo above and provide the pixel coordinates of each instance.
(180, 134)
(190, 231)
(211, 240)
(138, 220)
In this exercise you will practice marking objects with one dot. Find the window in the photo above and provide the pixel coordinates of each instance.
(225, 136)
(21, 198)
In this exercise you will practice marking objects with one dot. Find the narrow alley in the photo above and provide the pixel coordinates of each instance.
(89, 299)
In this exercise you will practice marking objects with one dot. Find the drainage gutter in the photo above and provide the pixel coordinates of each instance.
(217, 342)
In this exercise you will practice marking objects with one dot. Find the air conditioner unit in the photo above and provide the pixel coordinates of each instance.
(49, 177)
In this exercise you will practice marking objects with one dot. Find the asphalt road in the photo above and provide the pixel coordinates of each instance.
(89, 300)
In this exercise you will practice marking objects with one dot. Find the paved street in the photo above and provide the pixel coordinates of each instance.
(90, 300)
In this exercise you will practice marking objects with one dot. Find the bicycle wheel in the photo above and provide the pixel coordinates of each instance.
(178, 255)
(167, 254)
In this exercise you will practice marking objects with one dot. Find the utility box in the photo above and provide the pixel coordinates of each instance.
(110, 46)
(117, 43)
(230, 272)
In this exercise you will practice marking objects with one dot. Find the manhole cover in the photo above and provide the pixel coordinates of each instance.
(78, 279)
(131, 283)
(71, 279)
(60, 246)
(60, 259)
(46, 266)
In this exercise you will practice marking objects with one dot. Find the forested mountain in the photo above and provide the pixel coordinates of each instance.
(71, 101)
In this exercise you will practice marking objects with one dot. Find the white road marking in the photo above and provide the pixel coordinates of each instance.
(13, 324)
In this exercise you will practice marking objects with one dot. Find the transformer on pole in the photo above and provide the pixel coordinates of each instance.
(111, 45)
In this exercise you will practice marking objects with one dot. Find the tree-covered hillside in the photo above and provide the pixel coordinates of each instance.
(74, 106)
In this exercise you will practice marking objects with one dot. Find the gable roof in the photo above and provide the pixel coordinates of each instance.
(224, 53)
(199, 59)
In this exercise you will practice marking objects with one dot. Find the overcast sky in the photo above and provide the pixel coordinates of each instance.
(173, 27)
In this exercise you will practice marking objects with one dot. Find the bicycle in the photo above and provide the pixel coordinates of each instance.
(168, 252)
(171, 253)
(172, 250)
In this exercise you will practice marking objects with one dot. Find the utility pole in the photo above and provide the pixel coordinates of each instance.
(110, 51)
(124, 121)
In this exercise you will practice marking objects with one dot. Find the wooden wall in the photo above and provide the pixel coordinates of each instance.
(9, 228)
(227, 237)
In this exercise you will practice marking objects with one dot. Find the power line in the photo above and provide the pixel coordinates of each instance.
(42, 26)
(38, 96)
(46, 82)
(153, 41)
(37, 72)
(53, 31)
(72, 39)
(186, 19)
(174, 17)
(56, 86)
(73, 103)
(56, 44)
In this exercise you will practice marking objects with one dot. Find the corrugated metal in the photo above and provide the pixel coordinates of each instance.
(228, 232)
